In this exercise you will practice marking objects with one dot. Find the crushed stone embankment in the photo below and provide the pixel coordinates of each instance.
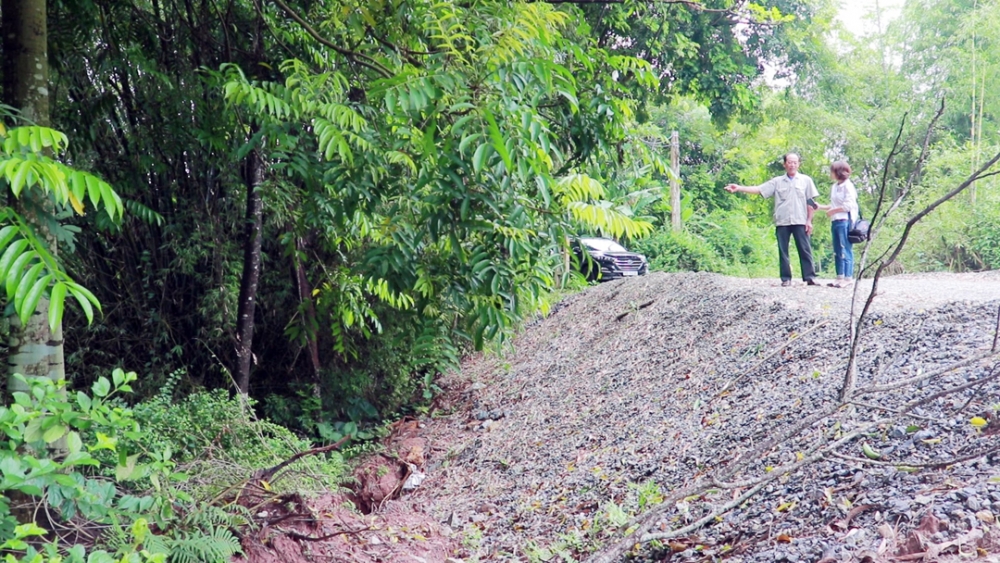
(666, 378)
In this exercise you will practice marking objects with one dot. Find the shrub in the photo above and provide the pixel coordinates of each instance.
(723, 242)
(53, 459)
(221, 439)
(985, 238)
(679, 252)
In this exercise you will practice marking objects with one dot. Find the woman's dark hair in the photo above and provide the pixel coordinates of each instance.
(840, 170)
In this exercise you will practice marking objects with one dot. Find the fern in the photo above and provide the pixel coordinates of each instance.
(216, 547)
(204, 536)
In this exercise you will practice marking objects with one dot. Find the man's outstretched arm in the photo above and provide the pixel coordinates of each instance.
(733, 188)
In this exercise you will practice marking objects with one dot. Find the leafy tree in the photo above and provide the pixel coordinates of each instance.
(43, 189)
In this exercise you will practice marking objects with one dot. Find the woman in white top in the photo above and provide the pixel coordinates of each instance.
(842, 210)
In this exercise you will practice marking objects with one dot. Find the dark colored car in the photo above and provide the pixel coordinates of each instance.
(608, 260)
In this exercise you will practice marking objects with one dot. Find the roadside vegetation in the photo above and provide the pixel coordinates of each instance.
(242, 233)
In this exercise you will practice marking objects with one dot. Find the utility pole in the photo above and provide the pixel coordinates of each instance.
(675, 182)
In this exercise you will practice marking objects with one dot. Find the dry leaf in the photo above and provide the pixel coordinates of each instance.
(415, 455)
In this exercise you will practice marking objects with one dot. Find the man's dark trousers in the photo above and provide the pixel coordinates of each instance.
(803, 247)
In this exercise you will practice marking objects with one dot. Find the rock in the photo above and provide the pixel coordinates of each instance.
(899, 505)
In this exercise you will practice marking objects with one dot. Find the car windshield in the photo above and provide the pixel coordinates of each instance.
(603, 245)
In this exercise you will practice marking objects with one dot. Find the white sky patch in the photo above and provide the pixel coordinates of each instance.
(867, 17)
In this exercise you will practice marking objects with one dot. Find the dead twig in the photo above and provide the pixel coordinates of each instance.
(639, 308)
(923, 465)
(872, 389)
(773, 353)
(299, 536)
(269, 473)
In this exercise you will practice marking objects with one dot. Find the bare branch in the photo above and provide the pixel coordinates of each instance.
(771, 476)
(359, 58)
(974, 383)
(776, 351)
(851, 375)
(996, 333)
(737, 464)
(816, 453)
(925, 465)
(923, 376)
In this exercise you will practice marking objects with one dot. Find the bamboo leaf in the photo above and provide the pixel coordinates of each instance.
(24, 285)
(13, 276)
(479, 157)
(84, 302)
(466, 141)
(57, 301)
(27, 307)
(498, 141)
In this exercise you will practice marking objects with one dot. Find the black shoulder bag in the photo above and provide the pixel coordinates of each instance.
(859, 230)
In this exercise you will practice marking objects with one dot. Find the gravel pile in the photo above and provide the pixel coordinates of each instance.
(637, 389)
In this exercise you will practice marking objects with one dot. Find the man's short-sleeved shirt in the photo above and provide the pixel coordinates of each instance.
(790, 196)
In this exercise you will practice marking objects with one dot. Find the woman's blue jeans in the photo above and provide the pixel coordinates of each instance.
(843, 255)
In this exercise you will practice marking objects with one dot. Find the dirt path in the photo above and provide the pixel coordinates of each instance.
(904, 292)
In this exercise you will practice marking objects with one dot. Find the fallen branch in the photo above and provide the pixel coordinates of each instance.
(924, 376)
(639, 308)
(299, 536)
(776, 351)
(925, 465)
(268, 474)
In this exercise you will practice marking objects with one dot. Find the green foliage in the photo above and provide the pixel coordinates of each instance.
(682, 251)
(219, 436)
(132, 550)
(459, 186)
(723, 242)
(29, 270)
(71, 481)
(710, 58)
(985, 237)
(205, 534)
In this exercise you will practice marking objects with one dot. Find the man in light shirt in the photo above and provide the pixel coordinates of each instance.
(794, 204)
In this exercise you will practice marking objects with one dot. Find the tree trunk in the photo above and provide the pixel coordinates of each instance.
(253, 176)
(34, 349)
(308, 320)
(24, 31)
